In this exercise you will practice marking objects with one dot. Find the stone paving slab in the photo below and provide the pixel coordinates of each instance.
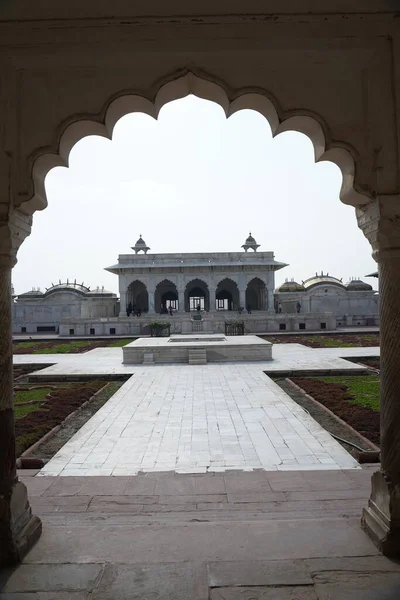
(108, 361)
(200, 541)
(197, 419)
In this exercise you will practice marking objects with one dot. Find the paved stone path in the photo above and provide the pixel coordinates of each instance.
(108, 361)
(218, 536)
(197, 418)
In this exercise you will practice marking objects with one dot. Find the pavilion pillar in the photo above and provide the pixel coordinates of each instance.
(181, 301)
(122, 304)
(152, 309)
(242, 297)
(270, 301)
(212, 298)
(381, 518)
(19, 529)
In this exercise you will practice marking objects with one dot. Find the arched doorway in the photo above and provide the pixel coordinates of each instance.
(137, 298)
(227, 295)
(197, 295)
(166, 296)
(30, 130)
(256, 297)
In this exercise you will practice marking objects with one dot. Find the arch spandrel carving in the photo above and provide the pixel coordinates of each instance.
(179, 85)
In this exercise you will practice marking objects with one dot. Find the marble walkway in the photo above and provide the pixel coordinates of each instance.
(198, 419)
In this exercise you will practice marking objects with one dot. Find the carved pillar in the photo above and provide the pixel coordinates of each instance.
(152, 309)
(212, 294)
(122, 304)
(19, 529)
(270, 305)
(381, 518)
(181, 301)
(242, 297)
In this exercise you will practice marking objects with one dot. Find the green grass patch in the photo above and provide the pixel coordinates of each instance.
(120, 343)
(21, 410)
(364, 389)
(38, 395)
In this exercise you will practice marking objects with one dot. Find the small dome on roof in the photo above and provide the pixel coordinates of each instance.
(34, 292)
(291, 286)
(323, 279)
(68, 285)
(141, 246)
(250, 243)
(356, 285)
(100, 291)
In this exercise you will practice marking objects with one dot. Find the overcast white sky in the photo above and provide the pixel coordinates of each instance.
(192, 181)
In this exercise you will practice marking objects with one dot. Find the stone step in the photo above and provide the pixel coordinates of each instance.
(148, 358)
(197, 356)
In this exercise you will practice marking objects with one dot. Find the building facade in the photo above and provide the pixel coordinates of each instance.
(197, 292)
(38, 312)
(354, 303)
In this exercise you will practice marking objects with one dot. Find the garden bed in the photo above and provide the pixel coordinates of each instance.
(353, 399)
(327, 341)
(65, 346)
(38, 409)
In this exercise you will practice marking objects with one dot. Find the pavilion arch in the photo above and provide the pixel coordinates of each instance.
(256, 295)
(165, 295)
(137, 296)
(197, 293)
(178, 85)
(226, 295)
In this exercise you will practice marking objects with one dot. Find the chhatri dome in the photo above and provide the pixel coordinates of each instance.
(250, 243)
(140, 246)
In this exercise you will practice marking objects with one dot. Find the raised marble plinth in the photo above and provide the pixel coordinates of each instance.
(218, 348)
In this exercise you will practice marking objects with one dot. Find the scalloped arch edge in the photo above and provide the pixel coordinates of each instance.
(180, 86)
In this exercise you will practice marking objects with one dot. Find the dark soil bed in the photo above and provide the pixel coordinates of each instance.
(340, 401)
(328, 341)
(58, 404)
(371, 361)
(54, 443)
(23, 370)
(65, 346)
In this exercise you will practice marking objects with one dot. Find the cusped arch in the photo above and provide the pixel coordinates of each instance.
(165, 295)
(179, 85)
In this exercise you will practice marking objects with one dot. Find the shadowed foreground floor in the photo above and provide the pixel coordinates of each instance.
(222, 536)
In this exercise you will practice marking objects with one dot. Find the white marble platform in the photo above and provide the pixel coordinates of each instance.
(216, 347)
(108, 361)
(197, 419)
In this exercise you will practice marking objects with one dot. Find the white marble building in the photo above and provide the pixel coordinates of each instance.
(353, 303)
(215, 281)
(181, 287)
(36, 311)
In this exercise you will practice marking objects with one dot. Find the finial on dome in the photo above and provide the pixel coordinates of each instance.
(250, 243)
(141, 246)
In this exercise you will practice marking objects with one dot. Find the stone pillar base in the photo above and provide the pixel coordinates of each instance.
(19, 528)
(381, 518)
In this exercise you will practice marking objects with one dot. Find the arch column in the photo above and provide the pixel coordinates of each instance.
(19, 529)
(152, 308)
(270, 300)
(381, 518)
(242, 297)
(181, 301)
(212, 295)
(122, 304)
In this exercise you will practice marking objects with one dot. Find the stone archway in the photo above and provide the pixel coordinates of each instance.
(246, 67)
(256, 295)
(226, 295)
(165, 296)
(197, 294)
(137, 297)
